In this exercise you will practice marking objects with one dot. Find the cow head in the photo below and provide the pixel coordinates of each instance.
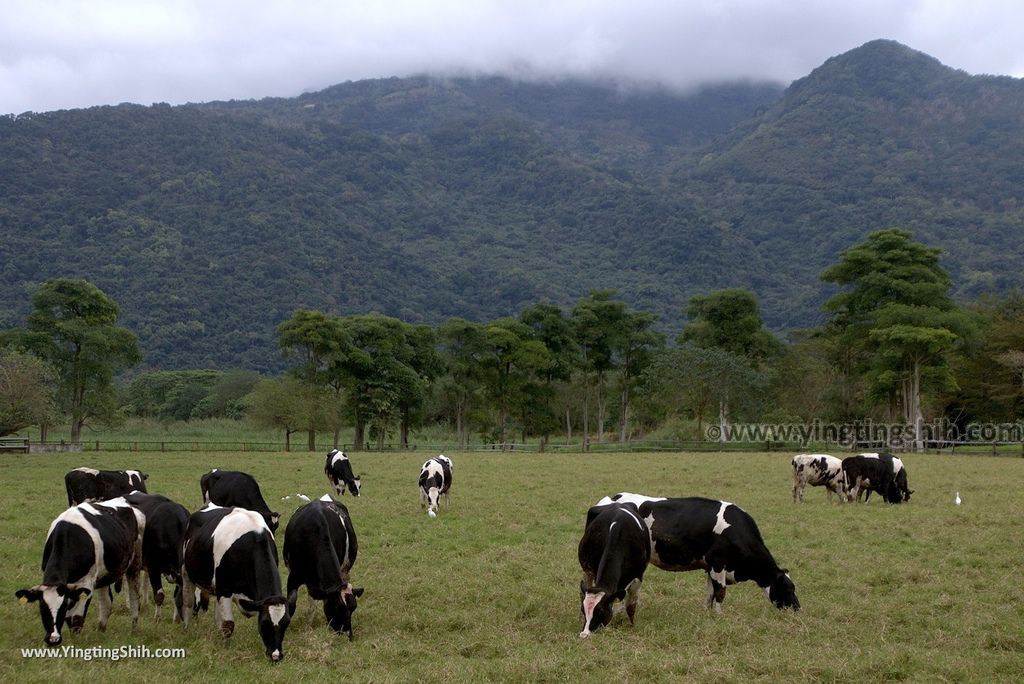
(338, 609)
(54, 603)
(273, 521)
(355, 485)
(273, 622)
(596, 609)
(782, 591)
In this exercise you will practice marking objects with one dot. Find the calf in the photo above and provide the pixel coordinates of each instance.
(435, 480)
(715, 536)
(89, 484)
(613, 553)
(232, 488)
(339, 472)
(88, 547)
(882, 473)
(319, 549)
(818, 470)
(164, 532)
(230, 553)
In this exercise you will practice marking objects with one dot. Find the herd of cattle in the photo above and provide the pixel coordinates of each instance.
(114, 529)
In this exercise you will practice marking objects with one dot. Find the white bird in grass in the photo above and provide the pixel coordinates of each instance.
(303, 497)
(957, 499)
(286, 498)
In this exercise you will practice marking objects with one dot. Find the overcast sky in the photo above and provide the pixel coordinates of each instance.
(57, 54)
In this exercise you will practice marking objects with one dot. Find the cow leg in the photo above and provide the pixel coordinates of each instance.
(633, 599)
(225, 621)
(103, 601)
(177, 601)
(158, 592)
(716, 589)
(797, 489)
(133, 596)
(188, 592)
(293, 593)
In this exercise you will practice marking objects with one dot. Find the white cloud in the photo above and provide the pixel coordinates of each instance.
(76, 53)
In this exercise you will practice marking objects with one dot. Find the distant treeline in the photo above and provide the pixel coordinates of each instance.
(896, 348)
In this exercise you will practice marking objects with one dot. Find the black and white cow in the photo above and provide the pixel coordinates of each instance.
(435, 480)
(165, 522)
(339, 472)
(89, 484)
(230, 553)
(613, 553)
(818, 470)
(233, 488)
(88, 548)
(874, 472)
(718, 537)
(319, 549)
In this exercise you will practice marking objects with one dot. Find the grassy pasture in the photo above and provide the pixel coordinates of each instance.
(488, 591)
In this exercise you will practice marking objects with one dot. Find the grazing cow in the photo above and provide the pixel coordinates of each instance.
(232, 488)
(319, 550)
(613, 553)
(435, 480)
(89, 484)
(818, 470)
(230, 553)
(89, 547)
(164, 532)
(882, 473)
(715, 536)
(339, 473)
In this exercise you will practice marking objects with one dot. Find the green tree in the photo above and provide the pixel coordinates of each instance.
(291, 405)
(73, 328)
(317, 341)
(897, 309)
(463, 345)
(597, 323)
(730, 320)
(26, 397)
(555, 331)
(636, 345)
(511, 361)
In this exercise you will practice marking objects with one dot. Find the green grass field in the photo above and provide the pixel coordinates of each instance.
(488, 591)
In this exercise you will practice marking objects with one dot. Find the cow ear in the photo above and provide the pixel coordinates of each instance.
(28, 595)
(357, 591)
(74, 593)
(145, 476)
(249, 606)
(784, 571)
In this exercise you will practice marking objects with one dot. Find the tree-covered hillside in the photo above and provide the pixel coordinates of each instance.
(430, 198)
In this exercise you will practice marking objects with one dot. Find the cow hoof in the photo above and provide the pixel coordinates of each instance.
(227, 629)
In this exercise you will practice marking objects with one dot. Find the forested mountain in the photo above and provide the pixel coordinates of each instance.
(427, 198)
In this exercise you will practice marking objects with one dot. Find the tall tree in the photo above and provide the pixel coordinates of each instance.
(597, 323)
(636, 346)
(316, 340)
(897, 308)
(554, 330)
(512, 360)
(73, 328)
(26, 398)
(463, 345)
(730, 320)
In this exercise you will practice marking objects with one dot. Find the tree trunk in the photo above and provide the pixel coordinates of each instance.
(337, 437)
(918, 417)
(568, 425)
(311, 439)
(360, 433)
(624, 423)
(723, 420)
(403, 429)
(287, 439)
(600, 408)
(586, 413)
